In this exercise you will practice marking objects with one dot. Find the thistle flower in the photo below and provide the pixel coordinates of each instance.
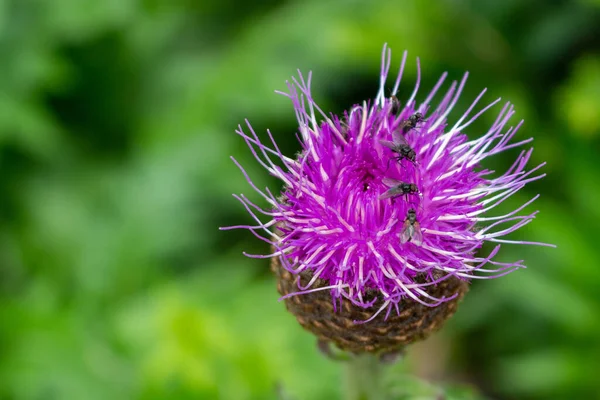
(381, 215)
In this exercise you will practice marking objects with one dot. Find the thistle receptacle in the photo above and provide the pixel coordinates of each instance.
(373, 254)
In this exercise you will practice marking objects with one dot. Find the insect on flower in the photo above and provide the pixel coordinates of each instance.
(336, 242)
(411, 122)
(412, 229)
(399, 146)
(395, 105)
(397, 188)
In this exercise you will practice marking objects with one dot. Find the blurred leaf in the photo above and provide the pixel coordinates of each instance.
(406, 387)
(206, 334)
(577, 102)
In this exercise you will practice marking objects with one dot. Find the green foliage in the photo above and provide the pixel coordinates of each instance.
(578, 102)
(408, 387)
(116, 123)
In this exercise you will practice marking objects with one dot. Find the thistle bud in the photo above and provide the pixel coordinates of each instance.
(340, 324)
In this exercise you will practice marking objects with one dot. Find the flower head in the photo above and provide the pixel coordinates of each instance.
(391, 197)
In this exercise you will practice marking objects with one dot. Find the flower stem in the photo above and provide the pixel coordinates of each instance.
(364, 378)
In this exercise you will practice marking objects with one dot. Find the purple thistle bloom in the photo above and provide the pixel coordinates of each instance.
(360, 222)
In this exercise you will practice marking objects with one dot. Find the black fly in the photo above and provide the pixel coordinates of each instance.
(400, 147)
(395, 108)
(411, 122)
(397, 188)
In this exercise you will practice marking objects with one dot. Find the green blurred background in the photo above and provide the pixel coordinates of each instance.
(117, 118)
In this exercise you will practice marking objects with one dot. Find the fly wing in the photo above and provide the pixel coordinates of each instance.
(407, 232)
(405, 126)
(388, 144)
(398, 138)
(395, 191)
(391, 182)
(417, 235)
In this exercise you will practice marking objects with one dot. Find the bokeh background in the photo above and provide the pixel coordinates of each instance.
(117, 121)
